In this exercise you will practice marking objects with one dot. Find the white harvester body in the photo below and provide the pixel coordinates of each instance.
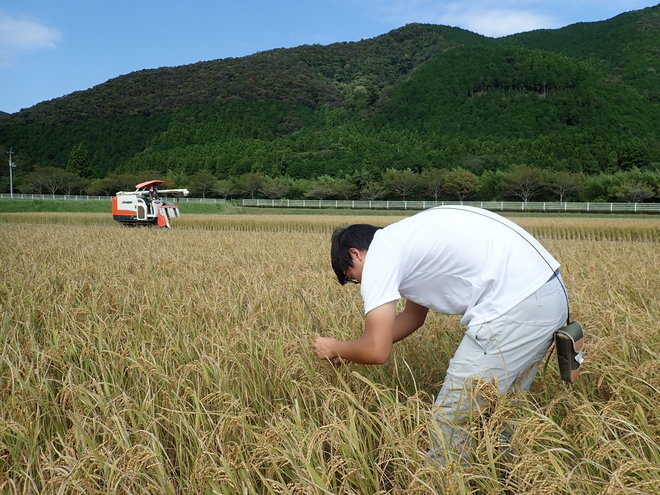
(144, 205)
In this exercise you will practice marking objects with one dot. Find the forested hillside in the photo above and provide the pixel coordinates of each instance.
(356, 119)
(627, 47)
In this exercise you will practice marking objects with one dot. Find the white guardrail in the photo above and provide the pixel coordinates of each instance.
(554, 207)
(488, 205)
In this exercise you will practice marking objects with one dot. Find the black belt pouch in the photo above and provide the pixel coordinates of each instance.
(570, 341)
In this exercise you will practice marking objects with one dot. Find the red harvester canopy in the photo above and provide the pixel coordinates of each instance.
(149, 183)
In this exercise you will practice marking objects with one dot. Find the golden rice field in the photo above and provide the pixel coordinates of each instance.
(139, 360)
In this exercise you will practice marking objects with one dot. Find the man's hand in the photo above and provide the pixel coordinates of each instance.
(374, 347)
(324, 348)
(337, 362)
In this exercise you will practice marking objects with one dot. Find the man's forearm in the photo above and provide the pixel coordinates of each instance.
(369, 350)
(375, 345)
(363, 350)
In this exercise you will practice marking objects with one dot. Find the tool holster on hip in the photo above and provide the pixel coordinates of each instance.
(569, 341)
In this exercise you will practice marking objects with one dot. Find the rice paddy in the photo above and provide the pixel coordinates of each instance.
(139, 360)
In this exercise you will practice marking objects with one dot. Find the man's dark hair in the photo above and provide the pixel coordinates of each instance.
(358, 236)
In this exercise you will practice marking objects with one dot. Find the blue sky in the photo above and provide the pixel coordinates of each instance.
(51, 48)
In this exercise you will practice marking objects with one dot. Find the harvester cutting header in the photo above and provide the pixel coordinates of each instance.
(144, 206)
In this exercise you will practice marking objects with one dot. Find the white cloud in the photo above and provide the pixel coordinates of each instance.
(501, 22)
(487, 17)
(20, 36)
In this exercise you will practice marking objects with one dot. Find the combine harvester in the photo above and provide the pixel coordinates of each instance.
(144, 206)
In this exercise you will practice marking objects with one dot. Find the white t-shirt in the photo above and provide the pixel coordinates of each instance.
(456, 260)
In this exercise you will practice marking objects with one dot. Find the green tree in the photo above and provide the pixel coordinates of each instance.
(113, 183)
(74, 185)
(362, 176)
(80, 162)
(202, 183)
(492, 185)
(345, 189)
(225, 188)
(177, 178)
(433, 181)
(31, 182)
(250, 183)
(372, 191)
(274, 188)
(298, 188)
(461, 184)
(400, 183)
(633, 191)
(321, 188)
(598, 187)
(632, 154)
(52, 180)
(524, 181)
(563, 183)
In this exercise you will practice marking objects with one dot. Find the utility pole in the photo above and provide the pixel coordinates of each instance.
(11, 179)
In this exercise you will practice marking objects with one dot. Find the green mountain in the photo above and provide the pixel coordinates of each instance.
(626, 47)
(582, 98)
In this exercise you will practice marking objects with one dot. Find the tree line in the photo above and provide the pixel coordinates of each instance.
(518, 183)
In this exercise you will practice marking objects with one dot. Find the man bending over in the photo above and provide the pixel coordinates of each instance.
(455, 260)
